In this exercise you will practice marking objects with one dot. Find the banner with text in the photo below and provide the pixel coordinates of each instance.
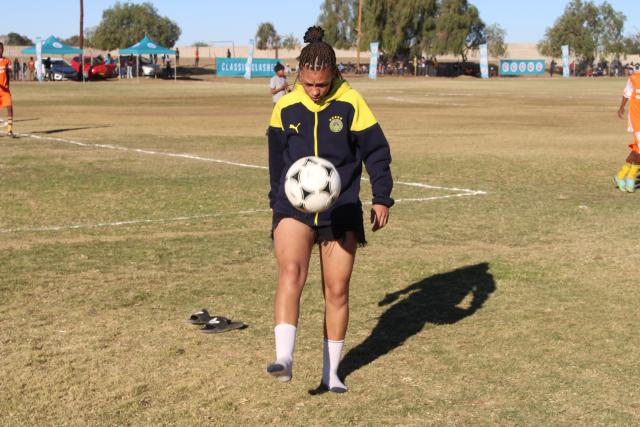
(522, 67)
(373, 64)
(39, 58)
(237, 67)
(565, 62)
(484, 61)
(249, 65)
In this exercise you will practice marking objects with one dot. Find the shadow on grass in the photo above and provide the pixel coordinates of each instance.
(52, 131)
(433, 300)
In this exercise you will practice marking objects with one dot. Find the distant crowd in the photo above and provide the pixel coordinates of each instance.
(23, 70)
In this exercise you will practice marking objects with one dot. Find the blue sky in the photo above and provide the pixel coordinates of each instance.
(212, 20)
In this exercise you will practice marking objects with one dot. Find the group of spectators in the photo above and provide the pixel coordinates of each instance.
(602, 68)
(128, 67)
(418, 66)
(24, 70)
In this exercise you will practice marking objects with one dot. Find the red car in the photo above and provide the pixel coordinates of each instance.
(94, 67)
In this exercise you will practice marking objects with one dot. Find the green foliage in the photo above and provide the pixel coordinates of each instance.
(459, 28)
(126, 23)
(403, 27)
(339, 18)
(632, 44)
(290, 42)
(495, 35)
(267, 37)
(73, 41)
(200, 44)
(611, 39)
(588, 29)
(16, 39)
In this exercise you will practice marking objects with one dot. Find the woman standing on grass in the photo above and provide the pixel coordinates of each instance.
(322, 117)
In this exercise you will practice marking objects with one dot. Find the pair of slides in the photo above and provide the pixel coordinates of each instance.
(213, 324)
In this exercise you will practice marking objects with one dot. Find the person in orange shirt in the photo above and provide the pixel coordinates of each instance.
(5, 94)
(626, 177)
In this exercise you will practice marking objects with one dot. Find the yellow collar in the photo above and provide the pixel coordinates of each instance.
(339, 88)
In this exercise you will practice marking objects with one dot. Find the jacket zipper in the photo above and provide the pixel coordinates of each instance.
(315, 151)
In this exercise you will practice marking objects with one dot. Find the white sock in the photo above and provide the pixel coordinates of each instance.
(332, 351)
(285, 343)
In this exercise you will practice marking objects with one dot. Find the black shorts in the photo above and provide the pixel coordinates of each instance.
(328, 233)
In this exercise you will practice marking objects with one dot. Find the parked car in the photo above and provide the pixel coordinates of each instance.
(94, 67)
(148, 68)
(62, 70)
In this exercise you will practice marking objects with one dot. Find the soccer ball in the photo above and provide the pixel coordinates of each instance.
(312, 184)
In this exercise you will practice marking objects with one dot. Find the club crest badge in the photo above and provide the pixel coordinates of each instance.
(335, 124)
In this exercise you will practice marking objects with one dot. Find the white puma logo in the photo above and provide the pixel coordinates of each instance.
(295, 127)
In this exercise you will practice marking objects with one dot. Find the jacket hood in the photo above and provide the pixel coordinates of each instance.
(338, 89)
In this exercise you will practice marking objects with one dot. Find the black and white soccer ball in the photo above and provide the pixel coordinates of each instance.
(312, 184)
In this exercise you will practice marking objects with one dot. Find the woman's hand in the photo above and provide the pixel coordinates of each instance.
(379, 216)
(621, 112)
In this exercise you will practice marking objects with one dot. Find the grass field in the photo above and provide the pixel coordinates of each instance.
(514, 307)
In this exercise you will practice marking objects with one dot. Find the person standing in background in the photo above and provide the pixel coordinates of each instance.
(626, 178)
(177, 57)
(228, 53)
(16, 69)
(130, 67)
(47, 69)
(278, 83)
(5, 93)
(197, 61)
(32, 68)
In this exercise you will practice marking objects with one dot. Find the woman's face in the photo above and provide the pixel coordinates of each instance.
(316, 84)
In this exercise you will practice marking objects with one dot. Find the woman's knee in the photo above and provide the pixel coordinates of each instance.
(293, 272)
(337, 293)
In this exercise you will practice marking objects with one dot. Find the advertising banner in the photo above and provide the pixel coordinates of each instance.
(39, 58)
(249, 64)
(484, 61)
(522, 67)
(373, 65)
(565, 62)
(237, 67)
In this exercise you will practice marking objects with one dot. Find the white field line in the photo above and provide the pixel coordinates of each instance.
(411, 101)
(459, 192)
(187, 218)
(129, 222)
(226, 162)
(138, 150)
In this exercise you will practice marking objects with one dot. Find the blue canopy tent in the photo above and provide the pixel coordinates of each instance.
(146, 46)
(53, 46)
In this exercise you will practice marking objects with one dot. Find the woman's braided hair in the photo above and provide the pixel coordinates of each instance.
(317, 54)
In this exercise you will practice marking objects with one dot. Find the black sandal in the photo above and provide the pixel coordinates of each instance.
(219, 324)
(199, 317)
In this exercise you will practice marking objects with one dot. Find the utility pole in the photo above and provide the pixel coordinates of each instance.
(359, 31)
(81, 37)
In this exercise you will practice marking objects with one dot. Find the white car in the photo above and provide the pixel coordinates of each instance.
(148, 68)
(60, 70)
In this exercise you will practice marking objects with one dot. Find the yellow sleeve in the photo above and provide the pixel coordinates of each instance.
(363, 118)
(276, 117)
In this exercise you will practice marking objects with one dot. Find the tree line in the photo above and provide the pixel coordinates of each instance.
(404, 28)
(592, 32)
(407, 28)
(122, 25)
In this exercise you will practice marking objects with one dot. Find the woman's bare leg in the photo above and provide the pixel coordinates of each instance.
(337, 260)
(293, 242)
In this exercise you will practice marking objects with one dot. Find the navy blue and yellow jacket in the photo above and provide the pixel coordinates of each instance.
(341, 129)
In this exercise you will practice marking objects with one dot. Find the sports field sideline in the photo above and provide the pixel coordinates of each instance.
(502, 292)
